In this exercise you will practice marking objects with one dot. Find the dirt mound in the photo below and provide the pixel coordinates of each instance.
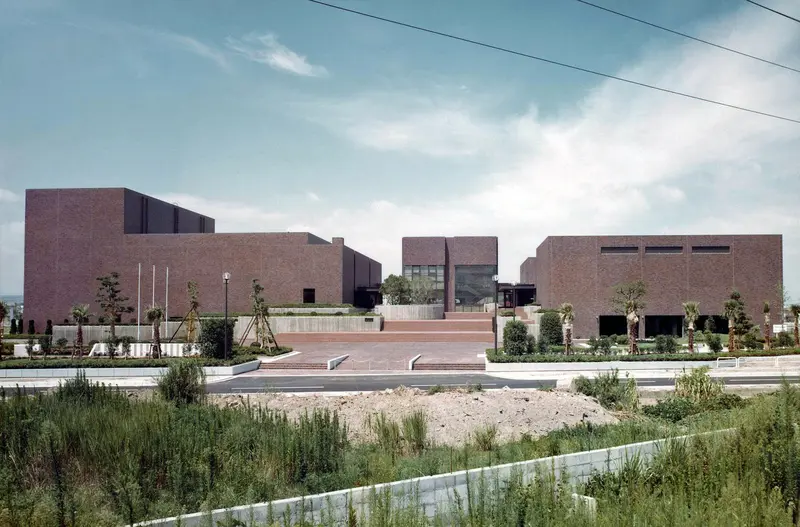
(452, 416)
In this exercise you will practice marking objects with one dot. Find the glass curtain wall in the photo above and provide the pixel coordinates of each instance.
(434, 273)
(474, 286)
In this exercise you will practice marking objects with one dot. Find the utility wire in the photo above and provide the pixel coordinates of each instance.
(554, 62)
(686, 36)
(774, 11)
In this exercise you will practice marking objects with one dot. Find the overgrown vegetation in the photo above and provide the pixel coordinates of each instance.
(183, 383)
(610, 391)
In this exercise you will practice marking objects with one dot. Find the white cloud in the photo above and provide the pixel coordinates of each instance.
(7, 196)
(312, 196)
(265, 49)
(192, 45)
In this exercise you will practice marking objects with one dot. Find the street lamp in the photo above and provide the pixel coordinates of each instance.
(226, 276)
(495, 279)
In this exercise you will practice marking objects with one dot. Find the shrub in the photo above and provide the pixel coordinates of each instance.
(673, 409)
(551, 328)
(697, 386)
(126, 342)
(111, 345)
(601, 345)
(610, 391)
(386, 432)
(506, 313)
(724, 401)
(46, 344)
(485, 438)
(622, 340)
(31, 327)
(515, 338)
(183, 383)
(433, 390)
(751, 342)
(713, 341)
(666, 344)
(784, 340)
(62, 344)
(212, 337)
(415, 431)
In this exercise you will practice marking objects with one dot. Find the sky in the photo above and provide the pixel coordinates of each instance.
(276, 115)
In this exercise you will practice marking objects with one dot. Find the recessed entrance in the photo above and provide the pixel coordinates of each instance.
(612, 325)
(309, 296)
(655, 325)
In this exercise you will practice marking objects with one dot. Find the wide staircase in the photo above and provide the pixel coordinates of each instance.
(455, 327)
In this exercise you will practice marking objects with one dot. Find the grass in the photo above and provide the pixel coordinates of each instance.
(609, 391)
(99, 362)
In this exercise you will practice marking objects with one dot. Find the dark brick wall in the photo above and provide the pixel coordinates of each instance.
(527, 271)
(450, 252)
(572, 269)
(73, 236)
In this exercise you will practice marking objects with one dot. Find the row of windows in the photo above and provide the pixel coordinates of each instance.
(666, 249)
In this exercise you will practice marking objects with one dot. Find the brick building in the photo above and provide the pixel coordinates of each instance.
(72, 236)
(583, 270)
(460, 267)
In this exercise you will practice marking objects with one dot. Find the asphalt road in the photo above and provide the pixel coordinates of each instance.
(358, 383)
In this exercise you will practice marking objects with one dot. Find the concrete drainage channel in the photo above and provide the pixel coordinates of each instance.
(432, 493)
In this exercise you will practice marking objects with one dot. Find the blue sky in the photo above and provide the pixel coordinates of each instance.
(283, 115)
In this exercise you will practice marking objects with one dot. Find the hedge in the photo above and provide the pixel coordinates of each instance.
(648, 357)
(251, 350)
(88, 362)
(290, 314)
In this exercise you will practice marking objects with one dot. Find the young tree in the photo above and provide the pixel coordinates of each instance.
(396, 289)
(692, 312)
(729, 310)
(79, 314)
(154, 315)
(420, 290)
(192, 318)
(3, 314)
(260, 309)
(567, 314)
(767, 328)
(628, 300)
(112, 302)
(795, 310)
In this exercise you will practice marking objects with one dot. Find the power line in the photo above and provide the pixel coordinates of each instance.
(686, 36)
(554, 62)
(774, 11)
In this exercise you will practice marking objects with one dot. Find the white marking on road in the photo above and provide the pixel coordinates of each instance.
(461, 384)
(264, 388)
(643, 381)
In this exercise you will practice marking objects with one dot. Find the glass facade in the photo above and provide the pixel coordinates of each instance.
(474, 286)
(434, 273)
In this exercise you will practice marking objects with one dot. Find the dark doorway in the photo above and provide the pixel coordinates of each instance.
(663, 325)
(715, 323)
(367, 297)
(613, 325)
(309, 296)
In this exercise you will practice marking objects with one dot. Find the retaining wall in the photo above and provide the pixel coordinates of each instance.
(320, 310)
(99, 333)
(431, 492)
(122, 371)
(317, 324)
(412, 312)
(597, 366)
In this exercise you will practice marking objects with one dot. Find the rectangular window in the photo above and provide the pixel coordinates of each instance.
(663, 249)
(474, 286)
(627, 249)
(432, 273)
(176, 228)
(711, 249)
(202, 224)
(309, 296)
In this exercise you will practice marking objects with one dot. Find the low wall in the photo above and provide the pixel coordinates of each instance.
(320, 310)
(318, 324)
(533, 329)
(597, 366)
(49, 373)
(140, 349)
(413, 312)
(432, 492)
(99, 333)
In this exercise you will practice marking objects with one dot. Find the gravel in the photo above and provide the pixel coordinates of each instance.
(452, 416)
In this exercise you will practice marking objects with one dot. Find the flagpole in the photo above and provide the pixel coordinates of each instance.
(139, 305)
(166, 302)
(154, 286)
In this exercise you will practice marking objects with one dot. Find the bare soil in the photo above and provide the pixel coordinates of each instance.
(452, 416)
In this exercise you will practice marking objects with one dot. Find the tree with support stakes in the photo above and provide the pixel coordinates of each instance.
(567, 314)
(112, 302)
(80, 315)
(154, 315)
(264, 336)
(192, 317)
(767, 328)
(692, 312)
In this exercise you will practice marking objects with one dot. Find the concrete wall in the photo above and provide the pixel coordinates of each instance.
(416, 312)
(574, 269)
(597, 366)
(434, 493)
(533, 327)
(320, 324)
(98, 333)
(122, 371)
(320, 310)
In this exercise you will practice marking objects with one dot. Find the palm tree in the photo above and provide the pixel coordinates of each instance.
(729, 310)
(79, 314)
(767, 334)
(692, 313)
(154, 315)
(567, 314)
(632, 308)
(3, 315)
(795, 309)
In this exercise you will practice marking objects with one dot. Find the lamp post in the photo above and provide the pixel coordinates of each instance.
(226, 276)
(495, 279)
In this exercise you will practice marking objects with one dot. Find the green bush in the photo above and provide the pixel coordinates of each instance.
(751, 342)
(183, 383)
(713, 341)
(515, 338)
(255, 350)
(601, 345)
(551, 328)
(212, 337)
(698, 386)
(666, 344)
(622, 340)
(610, 391)
(672, 409)
(784, 340)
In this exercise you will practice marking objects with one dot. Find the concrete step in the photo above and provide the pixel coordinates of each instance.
(279, 365)
(452, 366)
(289, 339)
(438, 325)
(458, 315)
